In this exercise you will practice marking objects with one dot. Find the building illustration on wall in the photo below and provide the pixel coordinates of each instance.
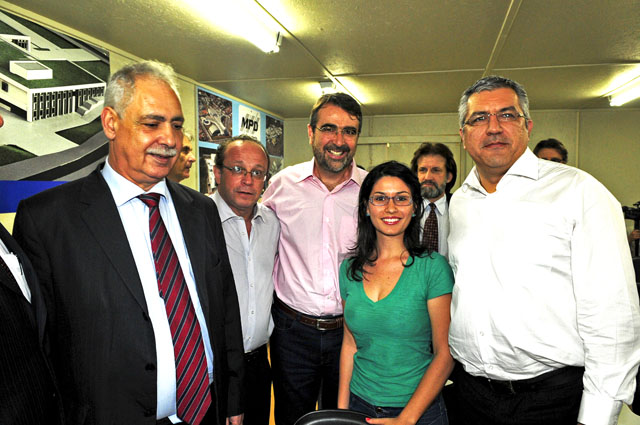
(51, 94)
(38, 84)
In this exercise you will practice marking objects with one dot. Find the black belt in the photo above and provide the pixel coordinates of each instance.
(321, 324)
(546, 380)
(255, 354)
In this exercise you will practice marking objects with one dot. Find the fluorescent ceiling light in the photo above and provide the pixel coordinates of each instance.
(243, 18)
(625, 93)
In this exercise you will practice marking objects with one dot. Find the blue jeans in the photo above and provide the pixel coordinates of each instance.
(305, 363)
(436, 413)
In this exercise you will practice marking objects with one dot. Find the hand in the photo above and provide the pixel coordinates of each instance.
(388, 421)
(235, 420)
(634, 235)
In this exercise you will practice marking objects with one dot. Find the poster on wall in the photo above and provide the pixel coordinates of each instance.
(250, 122)
(51, 97)
(215, 116)
(219, 119)
(275, 143)
(206, 160)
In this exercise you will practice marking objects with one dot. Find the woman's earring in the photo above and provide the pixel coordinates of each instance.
(367, 214)
(413, 215)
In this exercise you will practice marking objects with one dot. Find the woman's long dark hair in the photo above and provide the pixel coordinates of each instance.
(365, 253)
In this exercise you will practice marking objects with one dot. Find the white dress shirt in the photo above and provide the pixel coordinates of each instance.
(544, 280)
(442, 214)
(252, 258)
(12, 261)
(134, 215)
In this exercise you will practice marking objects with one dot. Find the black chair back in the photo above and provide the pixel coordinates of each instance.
(332, 417)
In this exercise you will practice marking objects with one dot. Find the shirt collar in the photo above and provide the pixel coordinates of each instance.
(124, 190)
(226, 213)
(357, 175)
(525, 166)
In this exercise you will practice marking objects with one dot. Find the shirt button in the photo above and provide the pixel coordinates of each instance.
(481, 333)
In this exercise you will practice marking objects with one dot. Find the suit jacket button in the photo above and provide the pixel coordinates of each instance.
(149, 412)
(150, 367)
(145, 316)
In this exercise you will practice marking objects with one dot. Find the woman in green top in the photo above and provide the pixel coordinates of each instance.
(396, 300)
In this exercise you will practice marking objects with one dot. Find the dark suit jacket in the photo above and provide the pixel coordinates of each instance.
(103, 346)
(27, 390)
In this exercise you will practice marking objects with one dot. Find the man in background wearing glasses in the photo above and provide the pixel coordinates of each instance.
(251, 233)
(316, 204)
(545, 323)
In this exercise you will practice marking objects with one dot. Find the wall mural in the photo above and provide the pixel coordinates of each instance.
(219, 119)
(51, 96)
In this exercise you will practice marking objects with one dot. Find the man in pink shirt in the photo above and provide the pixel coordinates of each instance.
(316, 203)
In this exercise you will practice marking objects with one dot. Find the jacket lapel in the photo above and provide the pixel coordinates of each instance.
(103, 220)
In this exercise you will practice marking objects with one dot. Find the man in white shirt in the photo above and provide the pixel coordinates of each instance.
(545, 322)
(251, 232)
(436, 169)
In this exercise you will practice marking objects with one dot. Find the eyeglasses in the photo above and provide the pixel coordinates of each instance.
(482, 118)
(239, 171)
(400, 200)
(330, 129)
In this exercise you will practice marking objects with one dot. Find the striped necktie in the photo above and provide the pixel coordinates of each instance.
(193, 396)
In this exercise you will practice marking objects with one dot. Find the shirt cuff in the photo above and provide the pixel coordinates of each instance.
(598, 410)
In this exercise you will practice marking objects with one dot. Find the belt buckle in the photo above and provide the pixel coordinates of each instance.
(320, 323)
(505, 387)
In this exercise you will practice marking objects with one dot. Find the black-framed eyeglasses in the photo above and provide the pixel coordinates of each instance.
(483, 118)
(400, 200)
(330, 129)
(236, 170)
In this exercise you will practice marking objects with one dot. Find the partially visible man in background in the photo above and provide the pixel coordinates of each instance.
(551, 150)
(28, 395)
(436, 169)
(186, 158)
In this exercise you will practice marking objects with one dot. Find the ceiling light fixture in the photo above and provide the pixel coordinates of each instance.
(327, 87)
(625, 93)
(243, 18)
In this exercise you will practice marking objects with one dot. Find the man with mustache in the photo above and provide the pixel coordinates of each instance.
(143, 313)
(545, 321)
(251, 233)
(316, 203)
(436, 169)
(182, 167)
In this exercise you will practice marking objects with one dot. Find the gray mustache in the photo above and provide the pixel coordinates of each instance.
(162, 151)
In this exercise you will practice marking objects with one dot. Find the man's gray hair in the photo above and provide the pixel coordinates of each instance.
(122, 84)
(490, 83)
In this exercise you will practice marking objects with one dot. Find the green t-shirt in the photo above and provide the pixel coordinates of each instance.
(393, 335)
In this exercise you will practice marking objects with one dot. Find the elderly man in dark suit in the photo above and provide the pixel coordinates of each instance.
(144, 317)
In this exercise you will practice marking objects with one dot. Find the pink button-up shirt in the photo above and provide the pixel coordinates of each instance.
(318, 228)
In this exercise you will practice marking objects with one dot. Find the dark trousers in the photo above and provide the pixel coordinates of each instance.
(436, 413)
(257, 387)
(305, 363)
(549, 399)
